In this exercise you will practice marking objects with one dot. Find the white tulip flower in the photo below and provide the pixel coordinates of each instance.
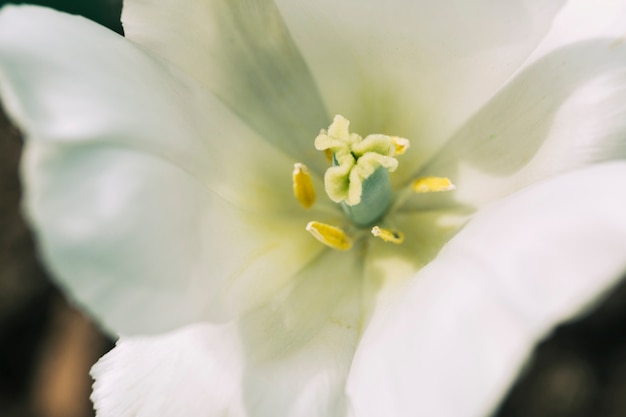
(323, 208)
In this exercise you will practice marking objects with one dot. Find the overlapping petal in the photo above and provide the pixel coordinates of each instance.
(416, 69)
(413, 69)
(288, 358)
(467, 322)
(564, 110)
(389, 268)
(154, 205)
(242, 51)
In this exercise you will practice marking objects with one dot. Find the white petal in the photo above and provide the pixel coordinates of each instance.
(72, 82)
(139, 376)
(242, 52)
(290, 358)
(416, 69)
(581, 21)
(452, 345)
(153, 205)
(146, 248)
(564, 110)
(389, 268)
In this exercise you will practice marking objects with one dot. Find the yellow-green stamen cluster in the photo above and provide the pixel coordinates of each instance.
(359, 181)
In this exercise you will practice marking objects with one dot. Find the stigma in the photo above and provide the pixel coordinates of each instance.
(358, 179)
(354, 160)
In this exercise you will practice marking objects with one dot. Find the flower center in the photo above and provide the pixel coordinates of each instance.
(358, 181)
(359, 176)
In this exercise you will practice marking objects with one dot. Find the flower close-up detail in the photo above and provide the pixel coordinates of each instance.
(322, 208)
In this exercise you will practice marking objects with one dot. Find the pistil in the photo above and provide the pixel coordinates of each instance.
(359, 176)
(359, 181)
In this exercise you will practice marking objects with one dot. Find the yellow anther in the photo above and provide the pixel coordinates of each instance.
(388, 235)
(400, 144)
(432, 185)
(303, 185)
(329, 235)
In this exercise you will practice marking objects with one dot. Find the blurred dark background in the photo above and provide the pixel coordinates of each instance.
(105, 12)
(47, 346)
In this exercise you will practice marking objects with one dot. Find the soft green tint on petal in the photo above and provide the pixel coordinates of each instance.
(289, 358)
(564, 110)
(147, 248)
(464, 327)
(154, 206)
(242, 51)
(71, 82)
(388, 268)
(416, 69)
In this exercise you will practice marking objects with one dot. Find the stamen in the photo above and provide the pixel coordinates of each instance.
(329, 235)
(388, 235)
(432, 185)
(303, 185)
(401, 145)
